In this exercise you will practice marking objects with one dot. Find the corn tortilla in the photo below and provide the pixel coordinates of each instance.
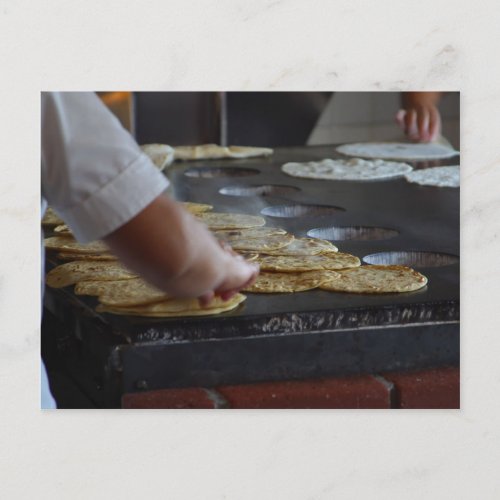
(73, 272)
(217, 220)
(176, 308)
(377, 279)
(291, 263)
(268, 282)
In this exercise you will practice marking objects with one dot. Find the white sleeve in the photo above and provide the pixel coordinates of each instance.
(93, 172)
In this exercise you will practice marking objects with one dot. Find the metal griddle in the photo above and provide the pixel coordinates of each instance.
(285, 336)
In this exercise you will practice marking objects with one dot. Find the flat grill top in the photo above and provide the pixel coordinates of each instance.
(422, 219)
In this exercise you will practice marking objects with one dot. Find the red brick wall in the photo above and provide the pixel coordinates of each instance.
(436, 388)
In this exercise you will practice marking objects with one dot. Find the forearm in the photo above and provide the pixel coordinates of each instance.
(170, 249)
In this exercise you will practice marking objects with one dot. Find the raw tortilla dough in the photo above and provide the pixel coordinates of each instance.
(436, 176)
(398, 150)
(354, 169)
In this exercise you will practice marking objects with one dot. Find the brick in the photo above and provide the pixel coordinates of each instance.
(426, 389)
(346, 392)
(168, 399)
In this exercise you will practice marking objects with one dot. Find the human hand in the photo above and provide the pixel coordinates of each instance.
(419, 116)
(239, 275)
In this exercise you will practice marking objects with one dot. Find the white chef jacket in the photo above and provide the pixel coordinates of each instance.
(94, 174)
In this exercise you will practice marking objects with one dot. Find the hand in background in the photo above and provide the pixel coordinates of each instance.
(419, 117)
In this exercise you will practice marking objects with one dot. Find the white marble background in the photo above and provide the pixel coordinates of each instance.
(232, 45)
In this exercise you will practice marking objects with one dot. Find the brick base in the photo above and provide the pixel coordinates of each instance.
(351, 392)
(437, 388)
(168, 398)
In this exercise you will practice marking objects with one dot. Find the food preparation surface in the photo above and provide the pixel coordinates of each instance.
(314, 332)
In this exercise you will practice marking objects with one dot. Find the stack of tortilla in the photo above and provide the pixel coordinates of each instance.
(95, 271)
(120, 291)
(163, 155)
(288, 264)
(215, 152)
(292, 264)
(50, 218)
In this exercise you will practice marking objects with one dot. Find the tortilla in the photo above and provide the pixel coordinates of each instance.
(87, 256)
(63, 229)
(214, 152)
(288, 263)
(125, 293)
(398, 150)
(160, 154)
(50, 218)
(354, 169)
(176, 307)
(436, 176)
(67, 244)
(217, 220)
(289, 282)
(253, 232)
(263, 244)
(304, 246)
(98, 287)
(196, 208)
(249, 257)
(376, 279)
(248, 151)
(73, 272)
(201, 152)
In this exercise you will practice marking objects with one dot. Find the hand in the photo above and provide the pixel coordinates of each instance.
(240, 274)
(419, 116)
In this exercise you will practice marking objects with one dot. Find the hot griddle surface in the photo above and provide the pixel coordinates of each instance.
(426, 218)
(385, 331)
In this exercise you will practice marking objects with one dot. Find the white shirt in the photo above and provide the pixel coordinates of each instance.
(94, 174)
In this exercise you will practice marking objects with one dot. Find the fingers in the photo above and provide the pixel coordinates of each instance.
(253, 277)
(241, 274)
(434, 124)
(206, 298)
(411, 129)
(229, 249)
(421, 124)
